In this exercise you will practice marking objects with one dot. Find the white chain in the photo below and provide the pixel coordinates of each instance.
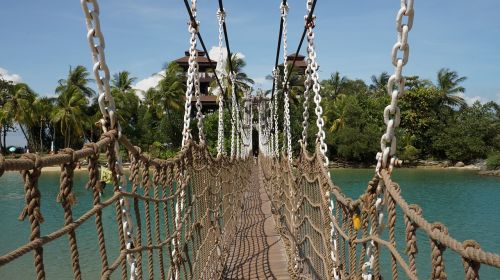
(190, 81)
(107, 107)
(276, 130)
(196, 78)
(286, 88)
(271, 125)
(316, 86)
(392, 116)
(307, 87)
(220, 139)
(233, 116)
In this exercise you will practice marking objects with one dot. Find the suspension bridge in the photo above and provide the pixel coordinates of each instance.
(233, 216)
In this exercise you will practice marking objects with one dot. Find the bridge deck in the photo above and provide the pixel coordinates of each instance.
(258, 252)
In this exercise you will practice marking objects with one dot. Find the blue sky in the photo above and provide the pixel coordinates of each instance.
(41, 39)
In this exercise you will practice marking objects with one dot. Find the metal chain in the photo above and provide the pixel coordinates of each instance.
(316, 86)
(233, 116)
(186, 135)
(107, 107)
(286, 87)
(276, 130)
(238, 131)
(220, 139)
(271, 128)
(307, 88)
(392, 116)
(196, 77)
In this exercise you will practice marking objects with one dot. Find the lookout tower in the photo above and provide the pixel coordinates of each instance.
(209, 102)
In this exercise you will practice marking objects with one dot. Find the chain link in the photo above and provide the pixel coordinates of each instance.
(186, 134)
(275, 106)
(315, 85)
(238, 131)
(271, 127)
(233, 116)
(286, 85)
(106, 103)
(220, 139)
(395, 87)
(307, 88)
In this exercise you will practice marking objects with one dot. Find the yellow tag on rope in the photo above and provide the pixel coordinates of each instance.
(356, 221)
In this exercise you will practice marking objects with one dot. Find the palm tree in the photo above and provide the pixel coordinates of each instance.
(122, 81)
(379, 84)
(70, 113)
(242, 82)
(41, 111)
(336, 112)
(171, 88)
(18, 106)
(448, 84)
(126, 100)
(78, 77)
(334, 86)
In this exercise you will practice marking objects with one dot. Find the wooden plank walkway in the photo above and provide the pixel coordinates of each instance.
(258, 252)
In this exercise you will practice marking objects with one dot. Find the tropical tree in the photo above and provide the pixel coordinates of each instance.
(334, 86)
(79, 78)
(379, 83)
(242, 82)
(70, 113)
(41, 115)
(171, 88)
(20, 98)
(448, 84)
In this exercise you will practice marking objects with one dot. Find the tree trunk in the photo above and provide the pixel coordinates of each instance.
(41, 141)
(25, 136)
(2, 148)
(5, 138)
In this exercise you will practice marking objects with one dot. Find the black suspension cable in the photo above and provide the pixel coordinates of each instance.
(195, 25)
(226, 38)
(280, 34)
(309, 21)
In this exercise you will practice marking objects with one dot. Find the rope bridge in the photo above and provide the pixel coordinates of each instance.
(196, 216)
(195, 201)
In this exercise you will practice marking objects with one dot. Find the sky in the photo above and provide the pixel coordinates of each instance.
(42, 39)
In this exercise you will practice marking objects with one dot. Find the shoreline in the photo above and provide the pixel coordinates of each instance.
(470, 167)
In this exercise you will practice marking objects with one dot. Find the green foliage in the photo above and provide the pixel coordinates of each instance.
(435, 121)
(493, 161)
(468, 136)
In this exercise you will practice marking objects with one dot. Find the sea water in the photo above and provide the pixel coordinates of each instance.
(468, 204)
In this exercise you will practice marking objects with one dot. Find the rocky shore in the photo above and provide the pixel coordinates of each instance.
(478, 165)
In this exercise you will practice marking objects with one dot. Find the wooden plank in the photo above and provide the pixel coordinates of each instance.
(258, 251)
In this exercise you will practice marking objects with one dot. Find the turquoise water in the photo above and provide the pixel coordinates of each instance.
(467, 203)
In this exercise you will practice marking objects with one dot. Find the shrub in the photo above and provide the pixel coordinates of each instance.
(493, 161)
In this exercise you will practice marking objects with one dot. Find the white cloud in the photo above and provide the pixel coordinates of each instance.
(15, 78)
(498, 97)
(147, 83)
(470, 100)
(214, 54)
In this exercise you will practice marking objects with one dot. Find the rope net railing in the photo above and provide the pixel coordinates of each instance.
(313, 216)
(184, 209)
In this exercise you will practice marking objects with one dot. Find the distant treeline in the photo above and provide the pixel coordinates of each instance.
(436, 122)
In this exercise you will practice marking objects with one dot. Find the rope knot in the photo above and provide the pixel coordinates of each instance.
(32, 194)
(284, 9)
(94, 147)
(221, 15)
(310, 21)
(66, 195)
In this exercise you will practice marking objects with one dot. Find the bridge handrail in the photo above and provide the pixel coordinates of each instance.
(213, 188)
